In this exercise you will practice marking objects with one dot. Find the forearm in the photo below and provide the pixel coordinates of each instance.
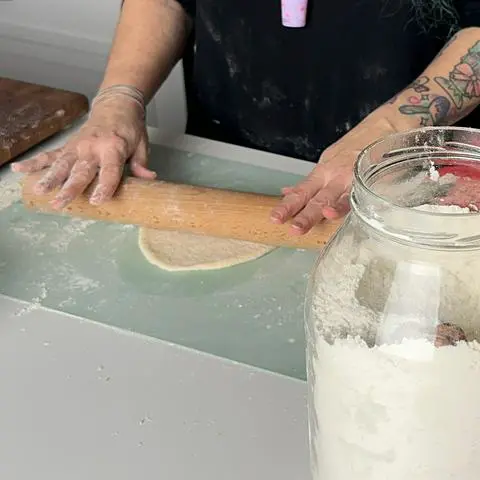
(149, 40)
(447, 90)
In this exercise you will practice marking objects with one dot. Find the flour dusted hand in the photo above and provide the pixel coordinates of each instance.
(324, 194)
(114, 134)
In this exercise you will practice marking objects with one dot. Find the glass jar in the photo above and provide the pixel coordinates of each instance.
(393, 317)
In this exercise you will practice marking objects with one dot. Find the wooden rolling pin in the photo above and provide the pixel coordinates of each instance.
(199, 210)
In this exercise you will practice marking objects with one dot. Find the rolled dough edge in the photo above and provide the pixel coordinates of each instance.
(154, 260)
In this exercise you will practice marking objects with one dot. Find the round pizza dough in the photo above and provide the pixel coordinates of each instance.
(181, 251)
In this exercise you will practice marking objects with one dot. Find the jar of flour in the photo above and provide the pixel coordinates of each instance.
(393, 317)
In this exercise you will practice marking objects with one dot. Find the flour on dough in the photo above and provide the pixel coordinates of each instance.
(180, 251)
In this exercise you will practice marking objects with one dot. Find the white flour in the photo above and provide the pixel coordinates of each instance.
(443, 209)
(10, 188)
(405, 409)
(76, 227)
(386, 416)
(35, 302)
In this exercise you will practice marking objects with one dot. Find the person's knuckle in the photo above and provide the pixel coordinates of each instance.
(37, 161)
(79, 179)
(115, 143)
(111, 173)
(60, 168)
(42, 157)
(85, 166)
(302, 220)
(301, 196)
(318, 201)
(83, 144)
(311, 218)
(66, 159)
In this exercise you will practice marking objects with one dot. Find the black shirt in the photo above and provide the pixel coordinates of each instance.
(252, 82)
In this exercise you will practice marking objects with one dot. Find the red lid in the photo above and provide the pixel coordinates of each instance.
(461, 171)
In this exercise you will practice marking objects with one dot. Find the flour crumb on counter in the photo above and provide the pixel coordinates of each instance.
(10, 188)
(79, 282)
(144, 421)
(34, 303)
(74, 228)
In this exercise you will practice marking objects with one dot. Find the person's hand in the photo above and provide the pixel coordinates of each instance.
(325, 192)
(114, 134)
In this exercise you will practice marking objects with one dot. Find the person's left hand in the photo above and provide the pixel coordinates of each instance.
(325, 192)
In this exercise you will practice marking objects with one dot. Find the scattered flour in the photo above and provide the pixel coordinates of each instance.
(75, 281)
(10, 188)
(32, 232)
(399, 409)
(68, 302)
(35, 303)
(29, 232)
(74, 228)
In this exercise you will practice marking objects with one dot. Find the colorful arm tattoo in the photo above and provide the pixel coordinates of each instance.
(458, 95)
(463, 82)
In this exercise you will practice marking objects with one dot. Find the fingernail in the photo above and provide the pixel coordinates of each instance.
(298, 226)
(276, 217)
(330, 212)
(296, 231)
(14, 167)
(151, 175)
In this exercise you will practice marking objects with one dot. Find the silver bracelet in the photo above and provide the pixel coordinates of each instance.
(124, 90)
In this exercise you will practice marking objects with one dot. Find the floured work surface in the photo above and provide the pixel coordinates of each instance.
(251, 313)
(81, 401)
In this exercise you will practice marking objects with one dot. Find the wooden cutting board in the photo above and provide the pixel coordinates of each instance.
(31, 113)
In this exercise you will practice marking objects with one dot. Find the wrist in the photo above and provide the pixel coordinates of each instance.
(399, 121)
(124, 96)
(123, 105)
(416, 109)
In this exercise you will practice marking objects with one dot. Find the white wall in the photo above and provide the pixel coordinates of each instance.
(65, 43)
(91, 19)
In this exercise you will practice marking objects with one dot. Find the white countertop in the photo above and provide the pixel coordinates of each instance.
(80, 400)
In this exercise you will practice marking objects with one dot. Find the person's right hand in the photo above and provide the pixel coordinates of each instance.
(114, 134)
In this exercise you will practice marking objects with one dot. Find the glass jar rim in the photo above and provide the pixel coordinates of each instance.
(359, 176)
(367, 203)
